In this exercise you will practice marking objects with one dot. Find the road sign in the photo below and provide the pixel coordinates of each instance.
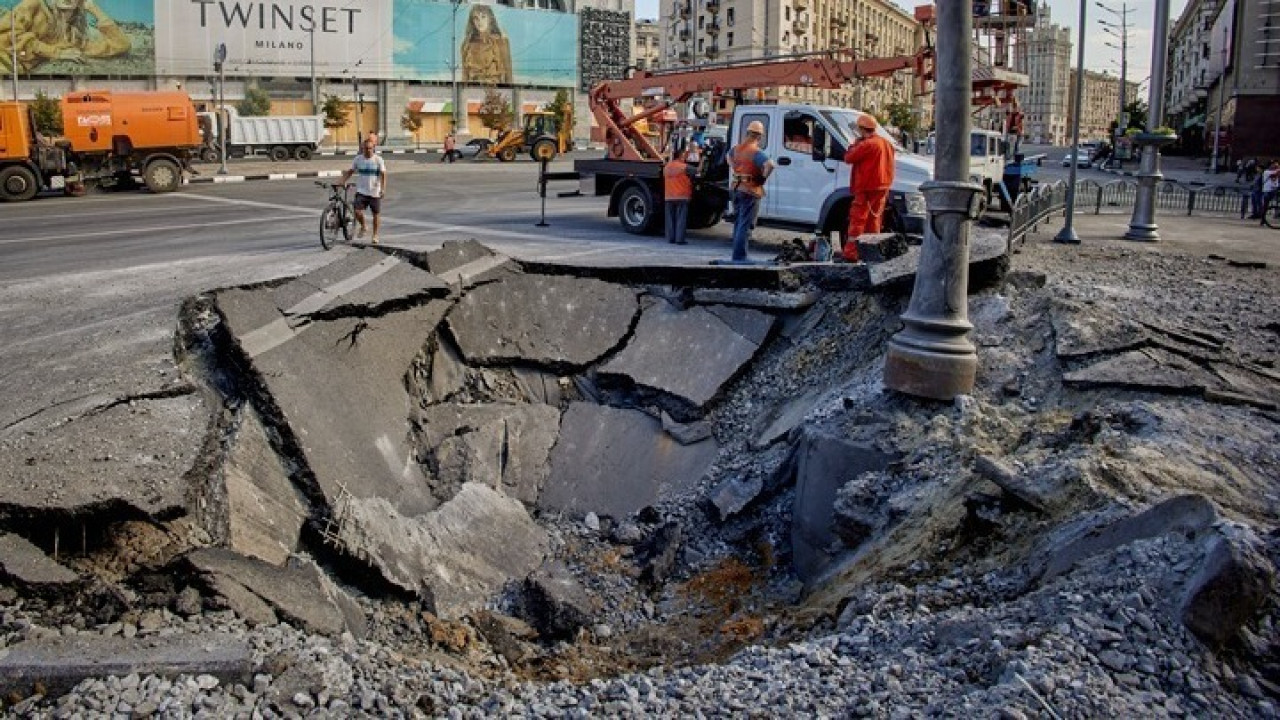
(219, 55)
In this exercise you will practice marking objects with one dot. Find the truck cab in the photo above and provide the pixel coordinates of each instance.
(809, 187)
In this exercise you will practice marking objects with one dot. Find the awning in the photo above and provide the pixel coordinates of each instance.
(429, 105)
(1193, 121)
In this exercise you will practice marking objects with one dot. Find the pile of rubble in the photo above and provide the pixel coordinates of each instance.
(453, 485)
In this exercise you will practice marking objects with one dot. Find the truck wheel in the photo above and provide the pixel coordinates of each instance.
(637, 210)
(17, 183)
(302, 152)
(507, 154)
(543, 151)
(279, 153)
(162, 176)
(210, 155)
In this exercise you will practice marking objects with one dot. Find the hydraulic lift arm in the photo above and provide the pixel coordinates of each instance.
(668, 87)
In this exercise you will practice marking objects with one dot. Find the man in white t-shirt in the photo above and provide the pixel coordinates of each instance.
(371, 184)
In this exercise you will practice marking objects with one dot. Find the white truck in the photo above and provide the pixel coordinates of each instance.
(279, 136)
(808, 190)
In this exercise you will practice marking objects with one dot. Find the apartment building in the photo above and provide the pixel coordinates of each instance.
(1224, 72)
(648, 51)
(700, 32)
(1101, 103)
(1045, 100)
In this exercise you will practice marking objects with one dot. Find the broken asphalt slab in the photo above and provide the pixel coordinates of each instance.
(614, 462)
(25, 565)
(506, 446)
(550, 321)
(58, 664)
(691, 354)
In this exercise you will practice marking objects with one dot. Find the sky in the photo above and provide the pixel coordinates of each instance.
(1098, 56)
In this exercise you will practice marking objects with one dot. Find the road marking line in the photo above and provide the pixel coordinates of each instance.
(101, 233)
(280, 331)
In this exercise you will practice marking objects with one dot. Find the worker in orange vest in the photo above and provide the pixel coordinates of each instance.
(677, 190)
(870, 160)
(750, 167)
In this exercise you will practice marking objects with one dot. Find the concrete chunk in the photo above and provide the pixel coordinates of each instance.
(1229, 589)
(691, 354)
(467, 263)
(557, 604)
(1081, 330)
(296, 595)
(506, 446)
(615, 462)
(265, 510)
(457, 558)
(26, 565)
(750, 324)
(546, 320)
(1148, 369)
(61, 663)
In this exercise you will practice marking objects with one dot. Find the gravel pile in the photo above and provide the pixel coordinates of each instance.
(932, 619)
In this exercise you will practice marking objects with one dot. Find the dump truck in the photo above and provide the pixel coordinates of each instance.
(109, 139)
(278, 136)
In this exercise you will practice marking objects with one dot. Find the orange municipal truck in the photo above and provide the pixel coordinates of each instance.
(109, 138)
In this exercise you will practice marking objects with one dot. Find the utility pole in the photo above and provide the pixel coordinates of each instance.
(13, 46)
(315, 90)
(355, 91)
(1068, 233)
(219, 64)
(1222, 99)
(1142, 226)
(932, 355)
(1110, 28)
(453, 66)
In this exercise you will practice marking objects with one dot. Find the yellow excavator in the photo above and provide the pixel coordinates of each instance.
(545, 135)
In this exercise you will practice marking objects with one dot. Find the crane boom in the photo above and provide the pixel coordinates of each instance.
(824, 71)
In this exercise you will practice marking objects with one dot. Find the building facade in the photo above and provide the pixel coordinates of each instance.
(1101, 104)
(1045, 100)
(385, 61)
(648, 52)
(1224, 78)
(701, 32)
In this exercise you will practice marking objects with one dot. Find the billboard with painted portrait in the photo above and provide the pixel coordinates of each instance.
(75, 38)
(484, 44)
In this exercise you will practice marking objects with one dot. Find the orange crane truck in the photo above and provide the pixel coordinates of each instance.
(109, 138)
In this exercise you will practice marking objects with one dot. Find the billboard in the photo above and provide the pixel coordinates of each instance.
(78, 37)
(274, 38)
(495, 44)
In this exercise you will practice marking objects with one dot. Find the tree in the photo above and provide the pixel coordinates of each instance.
(335, 112)
(902, 116)
(48, 114)
(560, 107)
(411, 122)
(1137, 110)
(255, 102)
(495, 112)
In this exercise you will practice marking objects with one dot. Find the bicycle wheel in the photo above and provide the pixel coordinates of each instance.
(331, 226)
(1271, 215)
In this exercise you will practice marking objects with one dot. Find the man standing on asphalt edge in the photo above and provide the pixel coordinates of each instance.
(677, 191)
(870, 160)
(751, 167)
(371, 184)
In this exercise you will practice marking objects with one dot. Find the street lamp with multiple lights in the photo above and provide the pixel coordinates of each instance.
(1121, 33)
(1068, 233)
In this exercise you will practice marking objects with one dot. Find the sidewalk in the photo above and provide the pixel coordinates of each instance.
(1188, 170)
(1243, 241)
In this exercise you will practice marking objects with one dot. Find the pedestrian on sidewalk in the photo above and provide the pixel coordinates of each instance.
(751, 167)
(1270, 187)
(1254, 197)
(450, 148)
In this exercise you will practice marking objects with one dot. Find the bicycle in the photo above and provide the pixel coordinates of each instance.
(338, 216)
(1271, 212)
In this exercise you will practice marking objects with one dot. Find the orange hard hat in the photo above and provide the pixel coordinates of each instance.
(867, 122)
(756, 127)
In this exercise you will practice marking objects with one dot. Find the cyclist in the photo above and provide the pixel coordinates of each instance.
(371, 184)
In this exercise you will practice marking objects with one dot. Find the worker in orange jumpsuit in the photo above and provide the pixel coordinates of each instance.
(677, 191)
(870, 160)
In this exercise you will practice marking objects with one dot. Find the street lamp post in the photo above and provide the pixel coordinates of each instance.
(932, 356)
(1222, 100)
(315, 90)
(224, 132)
(1068, 233)
(1142, 226)
(1123, 36)
(453, 65)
